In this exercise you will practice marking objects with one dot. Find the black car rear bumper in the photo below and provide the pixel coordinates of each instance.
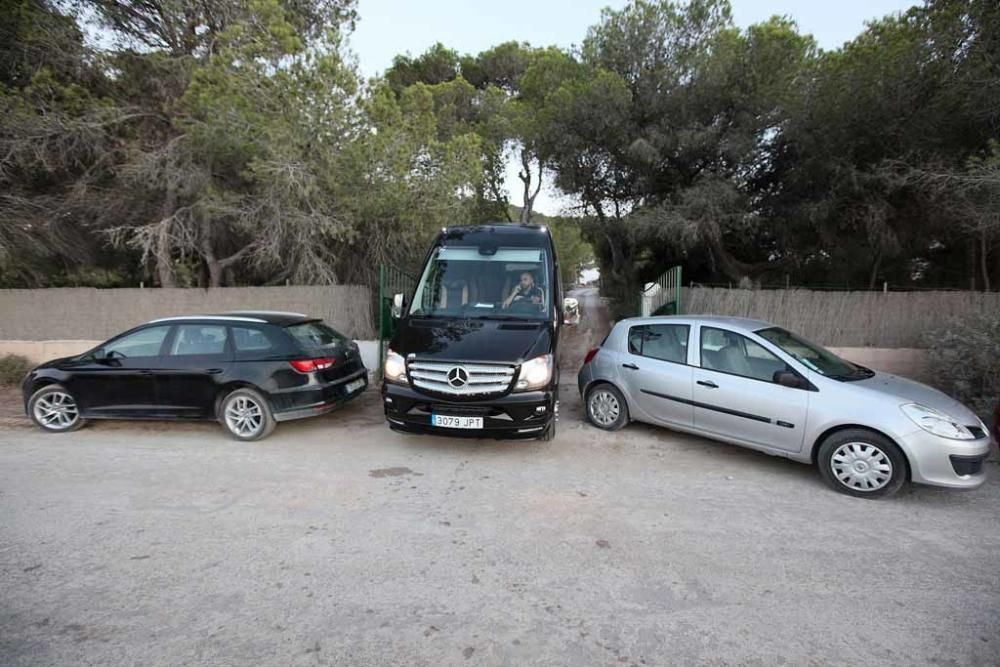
(520, 415)
(312, 401)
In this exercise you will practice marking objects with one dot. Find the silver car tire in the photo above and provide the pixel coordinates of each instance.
(246, 415)
(862, 463)
(54, 409)
(606, 407)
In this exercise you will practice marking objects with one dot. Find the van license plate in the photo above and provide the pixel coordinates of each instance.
(354, 386)
(446, 421)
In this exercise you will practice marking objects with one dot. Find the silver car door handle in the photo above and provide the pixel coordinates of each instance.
(708, 383)
(631, 367)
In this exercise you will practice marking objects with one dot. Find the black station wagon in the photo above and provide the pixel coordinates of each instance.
(248, 370)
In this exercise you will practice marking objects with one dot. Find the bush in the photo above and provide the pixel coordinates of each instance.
(13, 368)
(965, 360)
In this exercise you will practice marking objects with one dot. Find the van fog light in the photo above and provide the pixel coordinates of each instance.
(540, 410)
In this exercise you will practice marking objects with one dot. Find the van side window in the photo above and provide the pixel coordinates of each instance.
(666, 342)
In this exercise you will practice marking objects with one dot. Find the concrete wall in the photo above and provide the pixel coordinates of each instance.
(82, 313)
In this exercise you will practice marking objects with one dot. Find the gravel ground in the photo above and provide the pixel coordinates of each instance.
(337, 541)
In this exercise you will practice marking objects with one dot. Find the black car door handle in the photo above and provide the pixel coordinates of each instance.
(708, 383)
(631, 367)
(213, 371)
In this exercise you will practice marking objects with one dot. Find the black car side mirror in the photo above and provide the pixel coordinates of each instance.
(788, 379)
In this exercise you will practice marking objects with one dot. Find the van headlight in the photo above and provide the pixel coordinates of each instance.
(394, 368)
(936, 422)
(535, 373)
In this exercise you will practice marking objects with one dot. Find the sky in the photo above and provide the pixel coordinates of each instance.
(390, 27)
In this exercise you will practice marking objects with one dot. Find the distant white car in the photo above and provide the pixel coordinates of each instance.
(755, 384)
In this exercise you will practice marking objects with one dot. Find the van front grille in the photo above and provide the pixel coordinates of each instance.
(455, 379)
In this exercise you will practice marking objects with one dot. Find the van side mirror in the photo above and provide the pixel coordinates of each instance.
(398, 305)
(789, 379)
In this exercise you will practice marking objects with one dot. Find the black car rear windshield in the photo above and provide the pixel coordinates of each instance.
(316, 336)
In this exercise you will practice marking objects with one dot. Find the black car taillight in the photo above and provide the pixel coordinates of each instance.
(307, 365)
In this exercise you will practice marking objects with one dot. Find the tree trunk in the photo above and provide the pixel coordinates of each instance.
(984, 252)
(212, 263)
(873, 277)
(528, 197)
(971, 263)
(164, 256)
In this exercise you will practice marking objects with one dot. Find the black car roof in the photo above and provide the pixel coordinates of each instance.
(280, 319)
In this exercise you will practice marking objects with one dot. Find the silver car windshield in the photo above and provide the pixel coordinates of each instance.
(814, 357)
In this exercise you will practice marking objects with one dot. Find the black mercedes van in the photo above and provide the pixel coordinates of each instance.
(475, 352)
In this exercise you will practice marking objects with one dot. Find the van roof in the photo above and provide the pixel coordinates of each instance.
(502, 234)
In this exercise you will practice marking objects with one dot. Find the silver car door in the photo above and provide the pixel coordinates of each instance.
(736, 398)
(656, 375)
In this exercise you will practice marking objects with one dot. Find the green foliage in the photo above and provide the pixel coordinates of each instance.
(964, 360)
(216, 142)
(13, 368)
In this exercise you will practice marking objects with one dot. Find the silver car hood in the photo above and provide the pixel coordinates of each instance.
(908, 391)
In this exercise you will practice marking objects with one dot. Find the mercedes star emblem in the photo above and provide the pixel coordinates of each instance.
(458, 377)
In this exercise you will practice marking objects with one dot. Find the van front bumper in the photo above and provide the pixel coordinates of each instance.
(516, 415)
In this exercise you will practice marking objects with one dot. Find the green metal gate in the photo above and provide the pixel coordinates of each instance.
(391, 281)
(663, 297)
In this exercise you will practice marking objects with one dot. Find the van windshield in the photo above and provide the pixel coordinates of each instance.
(493, 283)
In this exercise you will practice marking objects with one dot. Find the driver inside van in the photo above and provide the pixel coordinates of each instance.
(525, 291)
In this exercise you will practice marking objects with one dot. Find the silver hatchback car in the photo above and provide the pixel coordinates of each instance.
(755, 384)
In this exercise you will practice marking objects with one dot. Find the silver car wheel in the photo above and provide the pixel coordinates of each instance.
(56, 411)
(604, 408)
(244, 416)
(861, 466)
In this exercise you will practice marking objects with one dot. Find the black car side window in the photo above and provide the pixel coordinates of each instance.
(246, 339)
(198, 339)
(666, 342)
(141, 344)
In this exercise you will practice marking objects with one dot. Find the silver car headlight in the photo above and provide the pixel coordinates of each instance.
(535, 373)
(394, 368)
(936, 422)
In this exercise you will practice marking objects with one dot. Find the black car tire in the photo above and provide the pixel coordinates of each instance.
(867, 448)
(550, 432)
(602, 422)
(57, 401)
(246, 415)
